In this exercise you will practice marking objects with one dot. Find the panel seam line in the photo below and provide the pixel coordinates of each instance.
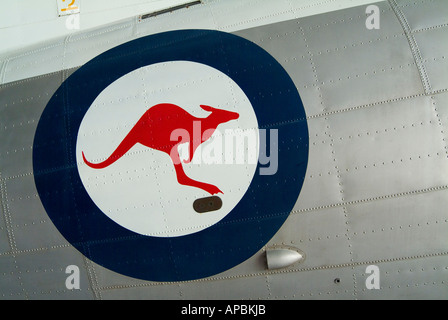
(413, 45)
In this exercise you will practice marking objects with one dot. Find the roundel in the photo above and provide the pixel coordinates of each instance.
(172, 157)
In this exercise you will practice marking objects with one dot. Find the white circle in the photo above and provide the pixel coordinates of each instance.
(140, 190)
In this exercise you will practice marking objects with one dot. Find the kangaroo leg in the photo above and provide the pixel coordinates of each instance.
(183, 179)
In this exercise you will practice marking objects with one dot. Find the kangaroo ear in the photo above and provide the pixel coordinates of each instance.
(207, 108)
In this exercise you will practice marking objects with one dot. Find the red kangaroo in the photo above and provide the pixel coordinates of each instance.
(155, 129)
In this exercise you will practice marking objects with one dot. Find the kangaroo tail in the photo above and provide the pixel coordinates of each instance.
(122, 148)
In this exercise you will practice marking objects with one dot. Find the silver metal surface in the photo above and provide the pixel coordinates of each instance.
(376, 189)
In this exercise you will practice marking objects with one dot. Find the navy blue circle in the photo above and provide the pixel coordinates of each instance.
(244, 231)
